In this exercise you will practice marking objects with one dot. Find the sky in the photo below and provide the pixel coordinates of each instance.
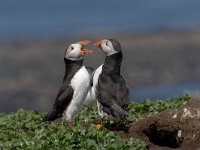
(36, 18)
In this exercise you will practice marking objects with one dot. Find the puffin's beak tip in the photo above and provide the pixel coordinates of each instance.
(96, 44)
(85, 42)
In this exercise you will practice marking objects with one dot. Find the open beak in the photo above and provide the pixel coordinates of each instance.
(97, 43)
(83, 50)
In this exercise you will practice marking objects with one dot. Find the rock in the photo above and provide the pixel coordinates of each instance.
(178, 128)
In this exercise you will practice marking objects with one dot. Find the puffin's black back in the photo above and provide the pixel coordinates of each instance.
(65, 93)
(111, 88)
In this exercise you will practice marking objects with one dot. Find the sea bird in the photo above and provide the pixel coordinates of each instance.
(109, 86)
(75, 85)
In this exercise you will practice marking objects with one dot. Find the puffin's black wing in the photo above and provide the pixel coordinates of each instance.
(62, 100)
(112, 93)
(123, 95)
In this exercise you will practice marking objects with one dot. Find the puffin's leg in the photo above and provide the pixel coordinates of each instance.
(100, 125)
(68, 120)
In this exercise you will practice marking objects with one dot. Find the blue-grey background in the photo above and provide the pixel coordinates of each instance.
(36, 18)
(160, 40)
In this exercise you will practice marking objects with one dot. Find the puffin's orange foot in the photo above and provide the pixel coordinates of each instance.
(99, 126)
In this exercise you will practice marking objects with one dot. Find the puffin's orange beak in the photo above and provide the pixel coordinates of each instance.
(85, 42)
(83, 50)
(96, 44)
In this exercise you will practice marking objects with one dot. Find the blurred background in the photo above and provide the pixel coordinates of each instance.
(160, 41)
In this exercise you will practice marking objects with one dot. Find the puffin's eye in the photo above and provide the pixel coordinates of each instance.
(106, 43)
(72, 48)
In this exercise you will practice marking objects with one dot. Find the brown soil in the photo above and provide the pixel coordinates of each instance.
(170, 129)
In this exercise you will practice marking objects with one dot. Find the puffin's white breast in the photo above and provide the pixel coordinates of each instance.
(80, 79)
(91, 96)
(81, 84)
(96, 77)
(95, 82)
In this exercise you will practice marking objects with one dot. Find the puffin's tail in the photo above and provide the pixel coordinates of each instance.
(117, 112)
(51, 116)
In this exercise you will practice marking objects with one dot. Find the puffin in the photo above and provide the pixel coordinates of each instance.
(109, 87)
(75, 86)
(90, 100)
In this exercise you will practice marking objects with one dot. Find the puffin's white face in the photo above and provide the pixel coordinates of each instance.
(106, 46)
(76, 51)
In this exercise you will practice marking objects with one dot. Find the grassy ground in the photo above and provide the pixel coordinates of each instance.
(23, 129)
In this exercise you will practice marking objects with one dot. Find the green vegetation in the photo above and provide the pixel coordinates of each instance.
(24, 130)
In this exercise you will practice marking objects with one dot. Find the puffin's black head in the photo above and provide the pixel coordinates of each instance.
(76, 51)
(108, 46)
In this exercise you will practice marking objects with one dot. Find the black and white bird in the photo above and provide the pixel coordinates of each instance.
(109, 87)
(75, 86)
